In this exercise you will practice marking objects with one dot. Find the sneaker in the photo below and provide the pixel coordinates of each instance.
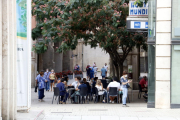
(112, 101)
(124, 106)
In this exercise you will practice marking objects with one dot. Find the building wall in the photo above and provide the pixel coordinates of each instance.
(8, 52)
(163, 54)
(91, 55)
(85, 55)
(33, 57)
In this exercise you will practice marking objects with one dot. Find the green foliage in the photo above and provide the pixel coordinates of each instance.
(100, 22)
(40, 47)
(140, 2)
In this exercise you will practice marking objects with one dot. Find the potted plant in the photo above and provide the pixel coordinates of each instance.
(59, 75)
(69, 74)
(78, 74)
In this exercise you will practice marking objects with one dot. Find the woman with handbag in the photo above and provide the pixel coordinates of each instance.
(52, 78)
(41, 86)
(125, 84)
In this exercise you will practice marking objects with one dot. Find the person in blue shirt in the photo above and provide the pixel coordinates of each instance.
(46, 76)
(81, 85)
(41, 86)
(62, 91)
(91, 73)
(76, 94)
(37, 78)
(103, 72)
(78, 68)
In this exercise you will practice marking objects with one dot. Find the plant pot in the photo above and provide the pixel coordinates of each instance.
(78, 75)
(70, 76)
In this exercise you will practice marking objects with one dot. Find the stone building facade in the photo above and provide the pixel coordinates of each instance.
(8, 53)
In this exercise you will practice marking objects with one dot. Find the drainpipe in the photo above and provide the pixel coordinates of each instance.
(82, 56)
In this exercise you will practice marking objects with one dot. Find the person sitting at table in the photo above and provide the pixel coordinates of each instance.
(115, 83)
(75, 95)
(143, 83)
(64, 95)
(76, 82)
(101, 90)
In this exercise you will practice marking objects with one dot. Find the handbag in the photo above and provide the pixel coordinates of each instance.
(35, 89)
(127, 86)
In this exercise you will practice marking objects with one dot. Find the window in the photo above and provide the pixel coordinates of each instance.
(175, 78)
(152, 21)
(175, 20)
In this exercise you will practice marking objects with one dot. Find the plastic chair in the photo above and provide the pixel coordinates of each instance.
(104, 82)
(83, 93)
(96, 95)
(56, 94)
(113, 92)
(140, 91)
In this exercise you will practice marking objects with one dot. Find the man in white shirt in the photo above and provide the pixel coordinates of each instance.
(106, 67)
(114, 84)
(76, 82)
(95, 70)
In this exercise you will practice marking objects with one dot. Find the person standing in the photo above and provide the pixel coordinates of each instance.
(95, 70)
(125, 82)
(41, 86)
(88, 72)
(94, 64)
(78, 68)
(106, 67)
(52, 78)
(103, 72)
(46, 75)
(91, 72)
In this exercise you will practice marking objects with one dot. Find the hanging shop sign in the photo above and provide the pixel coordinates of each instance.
(134, 10)
(139, 25)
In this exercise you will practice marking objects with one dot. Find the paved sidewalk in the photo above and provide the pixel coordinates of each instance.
(137, 111)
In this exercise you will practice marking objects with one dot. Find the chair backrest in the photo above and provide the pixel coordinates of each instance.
(88, 87)
(113, 91)
(140, 89)
(96, 91)
(56, 91)
(70, 86)
(93, 88)
(83, 91)
(104, 82)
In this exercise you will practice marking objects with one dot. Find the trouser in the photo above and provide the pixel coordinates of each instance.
(66, 96)
(47, 85)
(75, 96)
(125, 92)
(41, 93)
(105, 95)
